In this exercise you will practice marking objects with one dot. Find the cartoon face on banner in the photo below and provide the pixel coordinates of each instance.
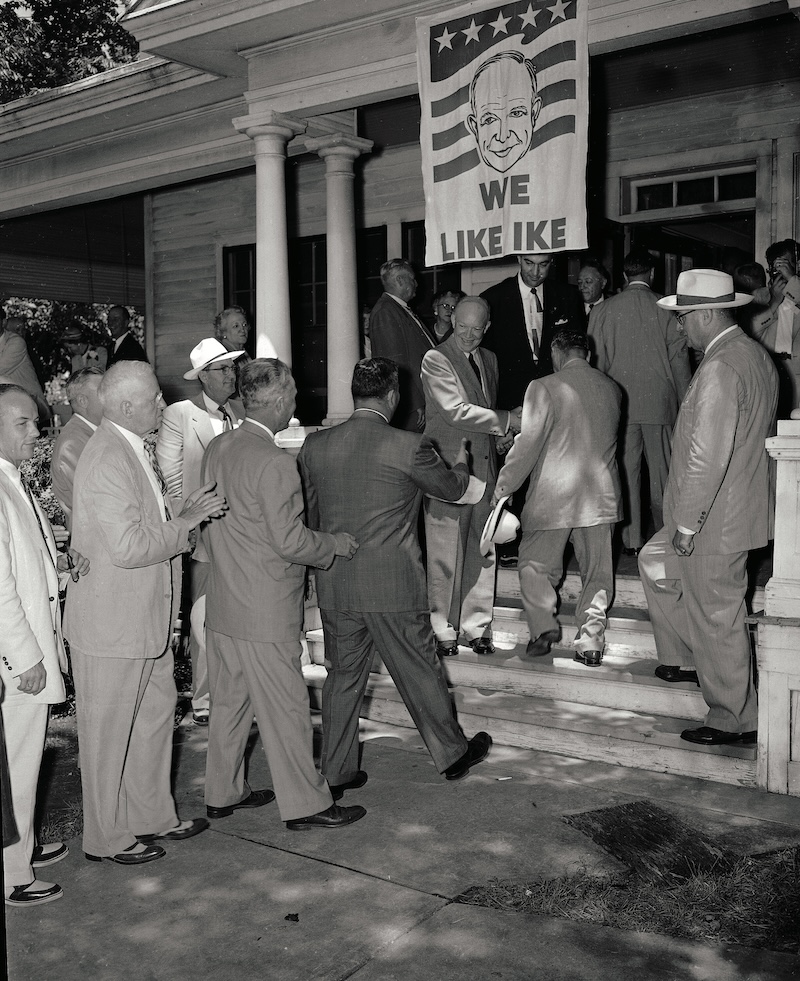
(504, 104)
(504, 96)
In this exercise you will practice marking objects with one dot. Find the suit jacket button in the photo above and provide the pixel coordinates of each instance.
(52, 599)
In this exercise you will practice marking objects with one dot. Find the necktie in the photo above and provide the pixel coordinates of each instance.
(27, 488)
(474, 365)
(536, 323)
(227, 422)
(150, 450)
(590, 308)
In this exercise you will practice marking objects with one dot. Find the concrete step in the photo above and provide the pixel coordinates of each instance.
(623, 681)
(608, 735)
(630, 635)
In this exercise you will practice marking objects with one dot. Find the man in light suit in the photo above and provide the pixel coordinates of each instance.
(716, 508)
(87, 411)
(254, 613)
(567, 446)
(395, 332)
(31, 647)
(125, 346)
(637, 343)
(119, 624)
(460, 383)
(186, 429)
(367, 478)
(526, 311)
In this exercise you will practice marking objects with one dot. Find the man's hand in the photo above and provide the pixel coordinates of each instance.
(73, 562)
(32, 681)
(504, 443)
(782, 269)
(515, 420)
(463, 453)
(203, 504)
(682, 543)
(344, 544)
(60, 534)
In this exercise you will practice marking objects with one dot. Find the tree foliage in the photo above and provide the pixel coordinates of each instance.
(45, 43)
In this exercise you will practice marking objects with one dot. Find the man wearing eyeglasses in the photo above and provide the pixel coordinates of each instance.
(187, 427)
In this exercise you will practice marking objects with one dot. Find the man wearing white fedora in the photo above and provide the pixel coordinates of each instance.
(187, 427)
(716, 508)
(568, 445)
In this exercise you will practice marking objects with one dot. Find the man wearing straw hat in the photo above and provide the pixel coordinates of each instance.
(187, 427)
(716, 508)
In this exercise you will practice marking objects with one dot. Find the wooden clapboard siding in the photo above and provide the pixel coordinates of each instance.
(763, 112)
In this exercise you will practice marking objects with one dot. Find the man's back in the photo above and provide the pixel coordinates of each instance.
(638, 345)
(358, 479)
(66, 452)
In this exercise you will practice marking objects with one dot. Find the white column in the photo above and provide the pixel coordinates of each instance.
(778, 649)
(344, 324)
(271, 131)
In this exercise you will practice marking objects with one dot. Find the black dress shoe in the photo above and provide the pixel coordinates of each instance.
(631, 551)
(446, 648)
(590, 658)
(40, 858)
(477, 749)
(127, 857)
(482, 645)
(672, 672)
(543, 643)
(187, 829)
(34, 894)
(335, 816)
(508, 561)
(706, 736)
(338, 789)
(256, 798)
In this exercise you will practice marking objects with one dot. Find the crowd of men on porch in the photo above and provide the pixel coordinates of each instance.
(530, 408)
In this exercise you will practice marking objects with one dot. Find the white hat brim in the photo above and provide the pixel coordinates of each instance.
(194, 373)
(490, 526)
(671, 303)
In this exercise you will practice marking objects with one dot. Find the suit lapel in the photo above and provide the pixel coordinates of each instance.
(464, 371)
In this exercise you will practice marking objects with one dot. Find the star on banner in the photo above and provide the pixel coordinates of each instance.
(499, 25)
(444, 39)
(559, 10)
(472, 32)
(529, 17)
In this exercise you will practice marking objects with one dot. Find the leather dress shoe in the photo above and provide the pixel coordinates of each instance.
(48, 854)
(590, 658)
(200, 717)
(673, 672)
(446, 648)
(34, 894)
(128, 857)
(482, 645)
(631, 551)
(542, 644)
(335, 816)
(477, 749)
(706, 736)
(186, 829)
(256, 798)
(338, 789)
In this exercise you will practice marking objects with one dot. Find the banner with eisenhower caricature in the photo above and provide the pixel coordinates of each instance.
(505, 106)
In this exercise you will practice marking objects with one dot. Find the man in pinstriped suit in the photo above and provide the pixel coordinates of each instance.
(367, 478)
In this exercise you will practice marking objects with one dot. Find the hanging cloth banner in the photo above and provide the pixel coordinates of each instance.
(504, 90)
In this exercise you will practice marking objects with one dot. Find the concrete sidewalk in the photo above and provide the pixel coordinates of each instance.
(373, 901)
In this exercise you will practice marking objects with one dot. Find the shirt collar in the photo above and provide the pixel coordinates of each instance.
(719, 337)
(255, 422)
(88, 422)
(398, 300)
(212, 406)
(134, 439)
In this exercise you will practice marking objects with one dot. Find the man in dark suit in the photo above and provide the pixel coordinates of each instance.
(568, 447)
(398, 334)
(526, 311)
(254, 612)
(366, 478)
(125, 346)
(716, 508)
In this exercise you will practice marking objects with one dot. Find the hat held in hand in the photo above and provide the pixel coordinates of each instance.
(501, 527)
